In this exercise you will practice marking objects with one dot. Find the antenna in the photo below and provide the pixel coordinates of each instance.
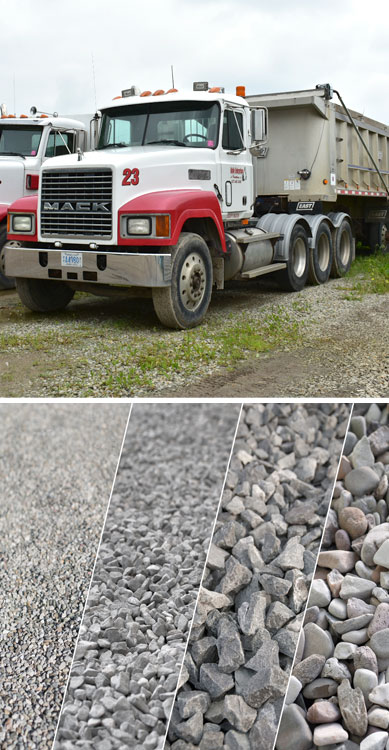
(94, 80)
(171, 68)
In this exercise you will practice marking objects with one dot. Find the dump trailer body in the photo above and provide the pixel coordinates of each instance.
(314, 154)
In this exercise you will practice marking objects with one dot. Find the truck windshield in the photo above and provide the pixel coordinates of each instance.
(172, 123)
(20, 139)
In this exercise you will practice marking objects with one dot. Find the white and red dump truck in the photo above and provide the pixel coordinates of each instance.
(187, 190)
(25, 143)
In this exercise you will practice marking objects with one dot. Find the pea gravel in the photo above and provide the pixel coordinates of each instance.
(57, 464)
(342, 693)
(147, 576)
(261, 561)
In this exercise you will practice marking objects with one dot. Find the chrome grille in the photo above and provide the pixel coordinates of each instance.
(76, 203)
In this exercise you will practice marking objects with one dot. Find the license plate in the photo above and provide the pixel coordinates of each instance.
(72, 260)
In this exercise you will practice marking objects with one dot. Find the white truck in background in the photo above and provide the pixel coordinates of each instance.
(25, 143)
(187, 190)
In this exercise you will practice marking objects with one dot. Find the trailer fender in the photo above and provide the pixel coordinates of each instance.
(337, 218)
(283, 224)
(314, 223)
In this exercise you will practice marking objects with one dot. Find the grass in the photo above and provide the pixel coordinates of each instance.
(184, 352)
(85, 352)
(369, 275)
(123, 360)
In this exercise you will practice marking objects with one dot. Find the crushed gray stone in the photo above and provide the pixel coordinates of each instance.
(262, 557)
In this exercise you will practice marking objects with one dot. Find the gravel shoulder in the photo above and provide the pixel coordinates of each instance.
(322, 342)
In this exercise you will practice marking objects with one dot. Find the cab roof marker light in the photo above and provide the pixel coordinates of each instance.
(116, 97)
(145, 93)
(43, 115)
(241, 91)
(216, 90)
(23, 116)
(172, 91)
(158, 92)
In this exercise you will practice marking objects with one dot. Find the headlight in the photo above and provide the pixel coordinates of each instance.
(21, 223)
(139, 226)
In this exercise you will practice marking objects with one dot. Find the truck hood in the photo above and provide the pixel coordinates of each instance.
(11, 179)
(138, 171)
(116, 158)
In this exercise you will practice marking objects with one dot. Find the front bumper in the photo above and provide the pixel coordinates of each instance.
(116, 269)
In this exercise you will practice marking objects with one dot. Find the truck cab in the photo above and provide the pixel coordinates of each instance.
(149, 145)
(165, 202)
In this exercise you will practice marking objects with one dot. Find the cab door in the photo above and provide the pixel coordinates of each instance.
(236, 165)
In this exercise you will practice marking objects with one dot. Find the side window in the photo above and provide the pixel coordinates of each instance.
(56, 144)
(232, 130)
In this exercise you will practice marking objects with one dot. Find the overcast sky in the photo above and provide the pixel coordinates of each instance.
(47, 49)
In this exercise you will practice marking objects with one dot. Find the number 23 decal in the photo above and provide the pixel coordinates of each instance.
(130, 176)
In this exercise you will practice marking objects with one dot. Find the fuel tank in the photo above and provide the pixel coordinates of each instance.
(248, 249)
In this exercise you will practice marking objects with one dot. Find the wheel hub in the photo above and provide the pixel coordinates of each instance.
(192, 281)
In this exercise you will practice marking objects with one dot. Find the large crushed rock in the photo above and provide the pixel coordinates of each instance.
(351, 620)
(57, 465)
(146, 580)
(256, 583)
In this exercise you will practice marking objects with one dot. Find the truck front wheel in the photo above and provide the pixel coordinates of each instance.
(294, 277)
(185, 302)
(43, 296)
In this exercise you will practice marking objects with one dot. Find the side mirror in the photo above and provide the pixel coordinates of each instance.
(259, 126)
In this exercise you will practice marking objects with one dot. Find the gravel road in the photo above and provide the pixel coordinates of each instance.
(325, 341)
(57, 466)
(147, 576)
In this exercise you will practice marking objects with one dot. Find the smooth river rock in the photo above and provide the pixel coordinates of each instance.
(294, 730)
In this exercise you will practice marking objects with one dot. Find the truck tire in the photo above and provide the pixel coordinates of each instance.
(343, 245)
(6, 282)
(43, 296)
(185, 302)
(377, 236)
(295, 275)
(320, 257)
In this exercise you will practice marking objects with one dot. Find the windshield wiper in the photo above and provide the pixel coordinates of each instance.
(11, 153)
(112, 145)
(166, 140)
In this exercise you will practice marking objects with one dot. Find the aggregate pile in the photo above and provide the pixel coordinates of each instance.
(257, 578)
(147, 576)
(57, 465)
(338, 694)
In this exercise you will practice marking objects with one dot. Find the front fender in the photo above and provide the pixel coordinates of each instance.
(3, 211)
(28, 204)
(181, 205)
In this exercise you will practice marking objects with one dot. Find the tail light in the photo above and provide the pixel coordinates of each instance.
(32, 181)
